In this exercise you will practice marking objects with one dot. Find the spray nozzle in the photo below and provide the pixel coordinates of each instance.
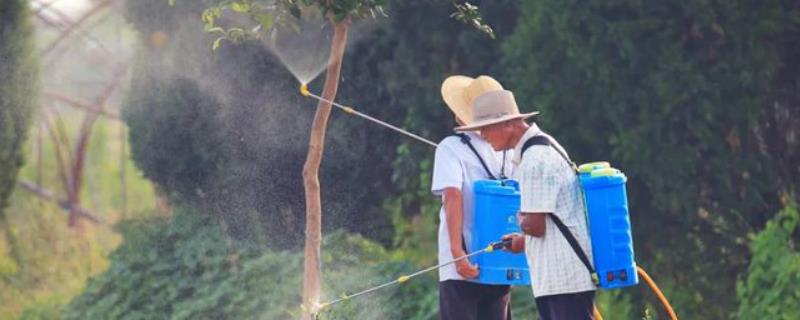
(304, 90)
(316, 309)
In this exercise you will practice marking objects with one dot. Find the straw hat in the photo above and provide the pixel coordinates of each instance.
(480, 102)
(459, 91)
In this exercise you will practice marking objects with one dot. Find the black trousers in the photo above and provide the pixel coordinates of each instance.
(464, 300)
(571, 306)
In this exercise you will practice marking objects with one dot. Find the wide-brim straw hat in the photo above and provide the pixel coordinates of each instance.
(459, 91)
(480, 102)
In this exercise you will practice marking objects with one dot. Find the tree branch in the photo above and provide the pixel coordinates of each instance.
(63, 203)
(83, 105)
(71, 27)
(59, 147)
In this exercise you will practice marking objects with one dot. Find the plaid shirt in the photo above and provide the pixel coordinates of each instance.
(549, 184)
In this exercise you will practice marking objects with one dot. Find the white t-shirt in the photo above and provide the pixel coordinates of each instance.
(549, 184)
(457, 166)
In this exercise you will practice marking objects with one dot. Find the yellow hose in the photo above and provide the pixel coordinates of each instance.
(597, 314)
(657, 291)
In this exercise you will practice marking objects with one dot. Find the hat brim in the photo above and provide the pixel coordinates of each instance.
(453, 95)
(481, 124)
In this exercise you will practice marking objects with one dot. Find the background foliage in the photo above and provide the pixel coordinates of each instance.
(186, 267)
(43, 262)
(682, 96)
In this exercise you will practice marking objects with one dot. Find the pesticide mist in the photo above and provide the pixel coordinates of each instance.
(303, 44)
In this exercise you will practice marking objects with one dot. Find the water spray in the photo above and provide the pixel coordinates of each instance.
(319, 307)
(350, 110)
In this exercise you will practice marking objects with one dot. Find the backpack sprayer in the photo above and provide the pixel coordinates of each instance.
(496, 205)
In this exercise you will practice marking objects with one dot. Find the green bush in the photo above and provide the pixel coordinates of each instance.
(187, 268)
(769, 288)
(163, 116)
(18, 90)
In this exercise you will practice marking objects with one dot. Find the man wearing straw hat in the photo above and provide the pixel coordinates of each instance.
(551, 207)
(459, 161)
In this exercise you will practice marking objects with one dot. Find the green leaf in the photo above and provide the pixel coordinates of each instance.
(240, 7)
(216, 29)
(216, 44)
(210, 15)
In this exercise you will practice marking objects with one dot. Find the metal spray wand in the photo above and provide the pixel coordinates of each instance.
(402, 279)
(350, 110)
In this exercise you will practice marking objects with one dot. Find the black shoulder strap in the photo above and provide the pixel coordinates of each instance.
(541, 140)
(575, 247)
(537, 140)
(466, 140)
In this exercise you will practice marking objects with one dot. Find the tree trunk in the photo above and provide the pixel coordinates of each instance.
(311, 268)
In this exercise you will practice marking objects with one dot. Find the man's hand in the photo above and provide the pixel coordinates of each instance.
(464, 268)
(517, 242)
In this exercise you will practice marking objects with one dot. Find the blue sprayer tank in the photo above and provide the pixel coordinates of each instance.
(496, 207)
(609, 224)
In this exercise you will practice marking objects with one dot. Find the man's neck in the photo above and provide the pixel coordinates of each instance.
(519, 130)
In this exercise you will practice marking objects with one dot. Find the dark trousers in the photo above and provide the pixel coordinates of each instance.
(571, 306)
(464, 300)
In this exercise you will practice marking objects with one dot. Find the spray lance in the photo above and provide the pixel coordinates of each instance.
(352, 111)
(315, 311)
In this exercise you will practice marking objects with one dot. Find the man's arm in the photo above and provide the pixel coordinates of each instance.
(453, 204)
(533, 224)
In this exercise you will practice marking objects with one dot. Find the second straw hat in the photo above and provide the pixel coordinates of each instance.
(459, 91)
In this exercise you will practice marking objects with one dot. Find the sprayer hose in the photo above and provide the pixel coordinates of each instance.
(657, 291)
(596, 313)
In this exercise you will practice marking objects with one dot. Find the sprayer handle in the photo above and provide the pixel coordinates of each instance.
(503, 244)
